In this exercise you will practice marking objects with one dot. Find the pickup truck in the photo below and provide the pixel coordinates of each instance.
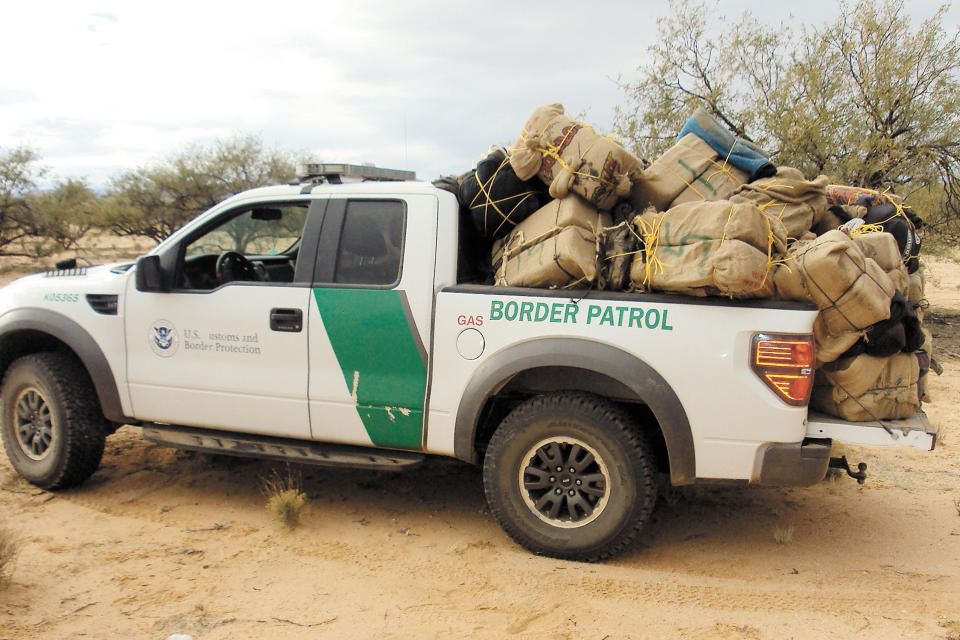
(324, 323)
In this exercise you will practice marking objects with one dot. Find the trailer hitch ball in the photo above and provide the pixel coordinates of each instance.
(860, 475)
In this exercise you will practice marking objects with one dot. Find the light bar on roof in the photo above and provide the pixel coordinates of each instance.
(333, 172)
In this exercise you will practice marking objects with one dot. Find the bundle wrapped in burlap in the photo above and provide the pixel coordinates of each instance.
(709, 248)
(828, 347)
(722, 219)
(882, 248)
(673, 172)
(866, 388)
(556, 246)
(567, 258)
(851, 290)
(571, 157)
(730, 268)
(718, 182)
(797, 202)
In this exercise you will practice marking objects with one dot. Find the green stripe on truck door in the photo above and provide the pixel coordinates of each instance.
(374, 340)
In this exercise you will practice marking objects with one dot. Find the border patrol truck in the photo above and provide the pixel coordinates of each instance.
(324, 323)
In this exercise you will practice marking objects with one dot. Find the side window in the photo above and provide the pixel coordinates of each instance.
(371, 243)
(259, 244)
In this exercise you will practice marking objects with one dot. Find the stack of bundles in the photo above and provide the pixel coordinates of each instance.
(569, 156)
(688, 171)
(852, 291)
(709, 248)
(866, 388)
(557, 246)
(495, 198)
(797, 202)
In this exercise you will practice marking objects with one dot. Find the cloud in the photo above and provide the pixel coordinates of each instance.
(106, 84)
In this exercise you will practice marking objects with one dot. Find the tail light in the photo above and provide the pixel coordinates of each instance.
(785, 364)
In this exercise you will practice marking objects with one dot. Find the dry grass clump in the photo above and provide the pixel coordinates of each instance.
(285, 499)
(9, 547)
(783, 534)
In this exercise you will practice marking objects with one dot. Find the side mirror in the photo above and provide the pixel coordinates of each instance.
(150, 274)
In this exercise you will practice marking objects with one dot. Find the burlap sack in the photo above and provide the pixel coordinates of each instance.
(572, 157)
(638, 274)
(865, 388)
(718, 182)
(729, 268)
(851, 290)
(882, 248)
(564, 259)
(914, 291)
(722, 219)
(674, 171)
(549, 220)
(797, 202)
(828, 348)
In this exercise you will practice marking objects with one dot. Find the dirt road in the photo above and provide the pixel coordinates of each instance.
(162, 541)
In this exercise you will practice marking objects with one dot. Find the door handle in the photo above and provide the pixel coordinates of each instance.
(286, 320)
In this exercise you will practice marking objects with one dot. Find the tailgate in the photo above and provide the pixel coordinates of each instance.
(914, 431)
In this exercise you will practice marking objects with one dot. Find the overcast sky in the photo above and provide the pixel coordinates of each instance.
(98, 87)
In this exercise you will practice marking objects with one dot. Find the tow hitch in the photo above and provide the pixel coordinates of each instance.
(841, 463)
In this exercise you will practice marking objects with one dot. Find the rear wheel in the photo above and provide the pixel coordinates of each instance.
(570, 475)
(52, 428)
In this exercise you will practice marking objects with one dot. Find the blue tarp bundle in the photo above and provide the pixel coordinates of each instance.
(743, 155)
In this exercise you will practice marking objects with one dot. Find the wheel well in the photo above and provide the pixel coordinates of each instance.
(20, 343)
(541, 380)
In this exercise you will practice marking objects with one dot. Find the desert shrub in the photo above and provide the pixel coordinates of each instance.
(783, 534)
(285, 499)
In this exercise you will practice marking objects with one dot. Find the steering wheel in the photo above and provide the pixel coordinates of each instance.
(232, 265)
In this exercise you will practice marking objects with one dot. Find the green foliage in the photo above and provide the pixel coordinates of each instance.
(19, 172)
(155, 200)
(869, 99)
(63, 215)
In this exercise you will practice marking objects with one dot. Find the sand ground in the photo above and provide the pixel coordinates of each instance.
(161, 541)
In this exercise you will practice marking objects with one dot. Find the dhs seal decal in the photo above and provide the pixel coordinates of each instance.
(163, 338)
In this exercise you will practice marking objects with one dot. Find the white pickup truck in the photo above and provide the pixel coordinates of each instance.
(324, 323)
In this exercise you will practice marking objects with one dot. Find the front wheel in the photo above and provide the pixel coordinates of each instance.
(570, 475)
(52, 428)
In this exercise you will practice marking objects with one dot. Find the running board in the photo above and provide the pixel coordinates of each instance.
(288, 450)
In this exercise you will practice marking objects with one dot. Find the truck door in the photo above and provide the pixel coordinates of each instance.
(370, 320)
(226, 347)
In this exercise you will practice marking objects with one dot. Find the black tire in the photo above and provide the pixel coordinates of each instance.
(52, 426)
(606, 499)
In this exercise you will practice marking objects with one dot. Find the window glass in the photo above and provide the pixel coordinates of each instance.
(371, 243)
(258, 244)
